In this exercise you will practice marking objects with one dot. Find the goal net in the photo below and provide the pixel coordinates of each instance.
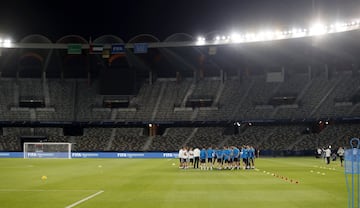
(47, 150)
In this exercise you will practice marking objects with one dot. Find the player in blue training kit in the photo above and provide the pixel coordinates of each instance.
(219, 156)
(227, 159)
(203, 157)
(236, 158)
(251, 157)
(245, 157)
(209, 152)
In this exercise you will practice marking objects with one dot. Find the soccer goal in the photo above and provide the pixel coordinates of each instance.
(47, 150)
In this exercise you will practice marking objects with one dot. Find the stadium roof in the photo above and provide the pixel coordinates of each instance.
(336, 50)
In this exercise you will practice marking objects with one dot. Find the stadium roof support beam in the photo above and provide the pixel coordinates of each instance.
(106, 46)
(153, 44)
(47, 60)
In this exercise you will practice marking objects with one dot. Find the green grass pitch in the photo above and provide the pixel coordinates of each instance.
(136, 183)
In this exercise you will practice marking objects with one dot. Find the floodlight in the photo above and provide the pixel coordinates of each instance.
(235, 37)
(339, 26)
(200, 41)
(317, 29)
(7, 43)
(200, 38)
(269, 35)
(298, 32)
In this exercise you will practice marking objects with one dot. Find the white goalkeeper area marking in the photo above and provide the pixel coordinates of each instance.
(84, 199)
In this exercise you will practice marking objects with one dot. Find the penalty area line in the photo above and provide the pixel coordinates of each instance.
(84, 199)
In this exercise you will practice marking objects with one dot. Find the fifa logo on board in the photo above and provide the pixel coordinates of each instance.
(167, 155)
(121, 155)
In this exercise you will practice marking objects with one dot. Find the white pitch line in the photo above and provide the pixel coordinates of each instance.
(84, 199)
(42, 190)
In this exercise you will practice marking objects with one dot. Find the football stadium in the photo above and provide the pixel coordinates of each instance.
(258, 118)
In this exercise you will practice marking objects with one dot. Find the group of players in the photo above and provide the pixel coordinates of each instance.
(228, 157)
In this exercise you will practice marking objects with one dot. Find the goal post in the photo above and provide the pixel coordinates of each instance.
(47, 150)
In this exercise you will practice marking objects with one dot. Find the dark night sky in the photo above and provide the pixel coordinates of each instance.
(127, 18)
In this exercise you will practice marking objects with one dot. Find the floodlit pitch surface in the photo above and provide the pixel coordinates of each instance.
(134, 183)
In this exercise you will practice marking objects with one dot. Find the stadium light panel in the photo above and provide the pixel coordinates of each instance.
(339, 27)
(278, 35)
(317, 29)
(297, 32)
(249, 36)
(200, 41)
(268, 35)
(7, 43)
(236, 38)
